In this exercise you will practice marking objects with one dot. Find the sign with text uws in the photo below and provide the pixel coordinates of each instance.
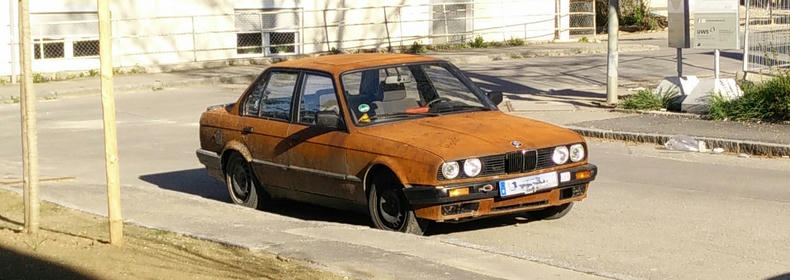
(716, 24)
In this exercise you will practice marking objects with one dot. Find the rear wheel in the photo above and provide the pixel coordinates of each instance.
(242, 185)
(389, 209)
(553, 212)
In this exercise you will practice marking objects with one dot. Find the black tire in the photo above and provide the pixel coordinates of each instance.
(553, 212)
(389, 209)
(242, 184)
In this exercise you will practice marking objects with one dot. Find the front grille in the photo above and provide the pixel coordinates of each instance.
(517, 206)
(514, 162)
(544, 158)
(520, 161)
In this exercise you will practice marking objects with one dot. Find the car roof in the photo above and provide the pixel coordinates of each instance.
(343, 62)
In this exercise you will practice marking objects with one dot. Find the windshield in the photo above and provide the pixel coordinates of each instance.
(407, 91)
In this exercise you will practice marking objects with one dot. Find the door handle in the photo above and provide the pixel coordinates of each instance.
(246, 130)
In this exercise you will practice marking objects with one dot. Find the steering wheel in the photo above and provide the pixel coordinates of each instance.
(436, 100)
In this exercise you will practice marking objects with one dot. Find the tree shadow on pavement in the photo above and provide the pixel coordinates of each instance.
(198, 182)
(17, 265)
(520, 92)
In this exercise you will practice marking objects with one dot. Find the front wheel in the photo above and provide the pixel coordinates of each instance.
(389, 209)
(242, 185)
(552, 212)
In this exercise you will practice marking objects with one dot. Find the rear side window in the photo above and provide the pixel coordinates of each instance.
(318, 95)
(277, 95)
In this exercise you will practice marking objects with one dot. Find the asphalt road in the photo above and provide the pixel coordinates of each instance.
(650, 214)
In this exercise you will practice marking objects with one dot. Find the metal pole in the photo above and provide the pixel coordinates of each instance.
(387, 28)
(680, 62)
(746, 41)
(556, 19)
(716, 65)
(194, 41)
(326, 32)
(613, 57)
(28, 110)
(11, 45)
(595, 23)
(108, 116)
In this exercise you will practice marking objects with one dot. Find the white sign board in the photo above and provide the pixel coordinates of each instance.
(716, 24)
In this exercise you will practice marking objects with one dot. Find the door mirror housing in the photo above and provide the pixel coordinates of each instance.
(495, 97)
(329, 119)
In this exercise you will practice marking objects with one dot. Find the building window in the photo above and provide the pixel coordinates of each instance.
(64, 35)
(270, 31)
(85, 48)
(48, 49)
(248, 43)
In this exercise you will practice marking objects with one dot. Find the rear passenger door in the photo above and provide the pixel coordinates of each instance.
(317, 156)
(266, 117)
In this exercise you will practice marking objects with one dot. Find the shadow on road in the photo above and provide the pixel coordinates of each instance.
(785, 276)
(492, 222)
(198, 182)
(192, 181)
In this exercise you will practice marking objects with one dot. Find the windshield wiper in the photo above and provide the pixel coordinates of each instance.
(402, 115)
(462, 108)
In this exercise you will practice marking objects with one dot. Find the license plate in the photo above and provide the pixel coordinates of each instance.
(528, 185)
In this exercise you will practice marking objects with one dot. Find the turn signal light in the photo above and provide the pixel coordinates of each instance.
(458, 192)
(583, 175)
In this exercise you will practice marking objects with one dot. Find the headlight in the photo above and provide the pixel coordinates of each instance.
(560, 155)
(577, 152)
(450, 170)
(472, 167)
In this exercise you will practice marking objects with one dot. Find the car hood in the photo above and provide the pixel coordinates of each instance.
(458, 136)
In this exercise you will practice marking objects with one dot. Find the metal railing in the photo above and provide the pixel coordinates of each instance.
(251, 33)
(768, 35)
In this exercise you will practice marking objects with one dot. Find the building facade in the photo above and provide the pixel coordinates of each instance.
(154, 32)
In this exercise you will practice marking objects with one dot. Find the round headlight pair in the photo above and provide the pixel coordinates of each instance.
(472, 167)
(562, 154)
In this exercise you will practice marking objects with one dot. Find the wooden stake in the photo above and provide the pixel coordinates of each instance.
(110, 134)
(27, 102)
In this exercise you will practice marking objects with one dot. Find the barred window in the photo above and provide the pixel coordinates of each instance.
(47, 49)
(86, 48)
(270, 31)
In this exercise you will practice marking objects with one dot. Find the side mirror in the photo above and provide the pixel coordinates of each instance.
(329, 119)
(495, 97)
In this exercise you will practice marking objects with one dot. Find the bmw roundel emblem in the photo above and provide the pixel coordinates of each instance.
(516, 144)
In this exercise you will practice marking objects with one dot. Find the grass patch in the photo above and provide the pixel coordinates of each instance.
(416, 48)
(769, 101)
(478, 42)
(648, 99)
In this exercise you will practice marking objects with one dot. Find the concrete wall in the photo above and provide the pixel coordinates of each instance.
(156, 32)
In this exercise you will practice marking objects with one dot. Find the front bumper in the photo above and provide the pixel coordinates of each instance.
(434, 203)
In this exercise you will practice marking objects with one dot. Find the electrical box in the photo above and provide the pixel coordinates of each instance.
(678, 18)
(716, 24)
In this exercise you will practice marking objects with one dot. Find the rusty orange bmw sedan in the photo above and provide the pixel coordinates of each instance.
(408, 139)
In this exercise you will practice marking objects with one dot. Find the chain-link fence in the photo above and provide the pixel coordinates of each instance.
(69, 41)
(769, 34)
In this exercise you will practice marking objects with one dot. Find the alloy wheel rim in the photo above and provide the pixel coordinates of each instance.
(391, 210)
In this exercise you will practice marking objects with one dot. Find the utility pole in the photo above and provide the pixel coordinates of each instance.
(27, 103)
(108, 117)
(611, 64)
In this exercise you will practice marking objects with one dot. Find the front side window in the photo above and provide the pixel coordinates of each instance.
(277, 95)
(318, 96)
(411, 91)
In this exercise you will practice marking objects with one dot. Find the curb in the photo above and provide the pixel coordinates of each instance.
(153, 86)
(532, 53)
(729, 145)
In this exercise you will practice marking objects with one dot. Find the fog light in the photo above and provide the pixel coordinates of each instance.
(458, 192)
(581, 175)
